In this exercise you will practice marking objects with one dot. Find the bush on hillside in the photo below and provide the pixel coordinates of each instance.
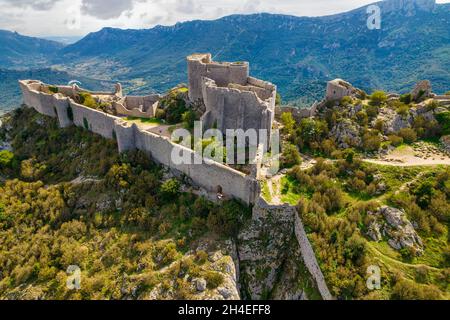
(408, 135)
(378, 97)
(290, 156)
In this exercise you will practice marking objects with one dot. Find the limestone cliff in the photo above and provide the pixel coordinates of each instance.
(271, 260)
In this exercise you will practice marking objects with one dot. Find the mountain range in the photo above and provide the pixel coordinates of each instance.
(299, 54)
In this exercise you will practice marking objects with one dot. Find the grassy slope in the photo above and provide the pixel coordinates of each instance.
(432, 262)
(125, 231)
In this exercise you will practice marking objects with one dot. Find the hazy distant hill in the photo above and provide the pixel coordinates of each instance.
(297, 53)
(19, 51)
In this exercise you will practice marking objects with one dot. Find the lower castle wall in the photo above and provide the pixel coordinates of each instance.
(62, 105)
(210, 175)
(306, 249)
(47, 104)
(297, 113)
(310, 259)
(97, 121)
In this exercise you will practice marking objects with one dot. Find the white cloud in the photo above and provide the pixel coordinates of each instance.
(49, 17)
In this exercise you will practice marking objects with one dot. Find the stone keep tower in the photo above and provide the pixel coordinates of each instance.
(338, 88)
(201, 65)
(233, 100)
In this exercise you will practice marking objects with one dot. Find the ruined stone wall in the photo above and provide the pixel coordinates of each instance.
(230, 108)
(93, 120)
(337, 89)
(137, 106)
(297, 113)
(310, 258)
(210, 175)
(201, 65)
(62, 109)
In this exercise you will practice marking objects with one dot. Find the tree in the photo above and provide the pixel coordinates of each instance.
(170, 187)
(6, 159)
(408, 135)
(278, 100)
(378, 97)
(311, 130)
(406, 98)
(395, 140)
(189, 118)
(288, 121)
(291, 156)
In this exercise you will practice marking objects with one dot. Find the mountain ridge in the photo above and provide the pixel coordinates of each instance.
(298, 54)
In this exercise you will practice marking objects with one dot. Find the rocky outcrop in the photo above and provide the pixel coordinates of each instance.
(392, 121)
(346, 134)
(392, 224)
(263, 246)
(219, 261)
(276, 258)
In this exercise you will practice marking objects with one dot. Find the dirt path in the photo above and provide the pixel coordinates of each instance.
(384, 256)
(413, 163)
(419, 154)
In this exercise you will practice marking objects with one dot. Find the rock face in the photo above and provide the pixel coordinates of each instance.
(392, 223)
(346, 134)
(271, 264)
(392, 121)
(220, 261)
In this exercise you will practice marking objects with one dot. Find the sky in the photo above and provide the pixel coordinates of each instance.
(45, 18)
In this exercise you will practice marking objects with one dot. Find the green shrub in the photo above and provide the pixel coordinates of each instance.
(170, 187)
(408, 290)
(213, 279)
(378, 97)
(6, 159)
(160, 114)
(408, 135)
(371, 142)
(402, 109)
(291, 156)
(175, 106)
(406, 98)
(443, 119)
(288, 122)
(53, 89)
(87, 100)
(372, 111)
(189, 118)
(447, 93)
(278, 100)
(346, 101)
(395, 140)
(362, 118)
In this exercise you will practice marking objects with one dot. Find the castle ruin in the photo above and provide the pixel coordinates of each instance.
(233, 100)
